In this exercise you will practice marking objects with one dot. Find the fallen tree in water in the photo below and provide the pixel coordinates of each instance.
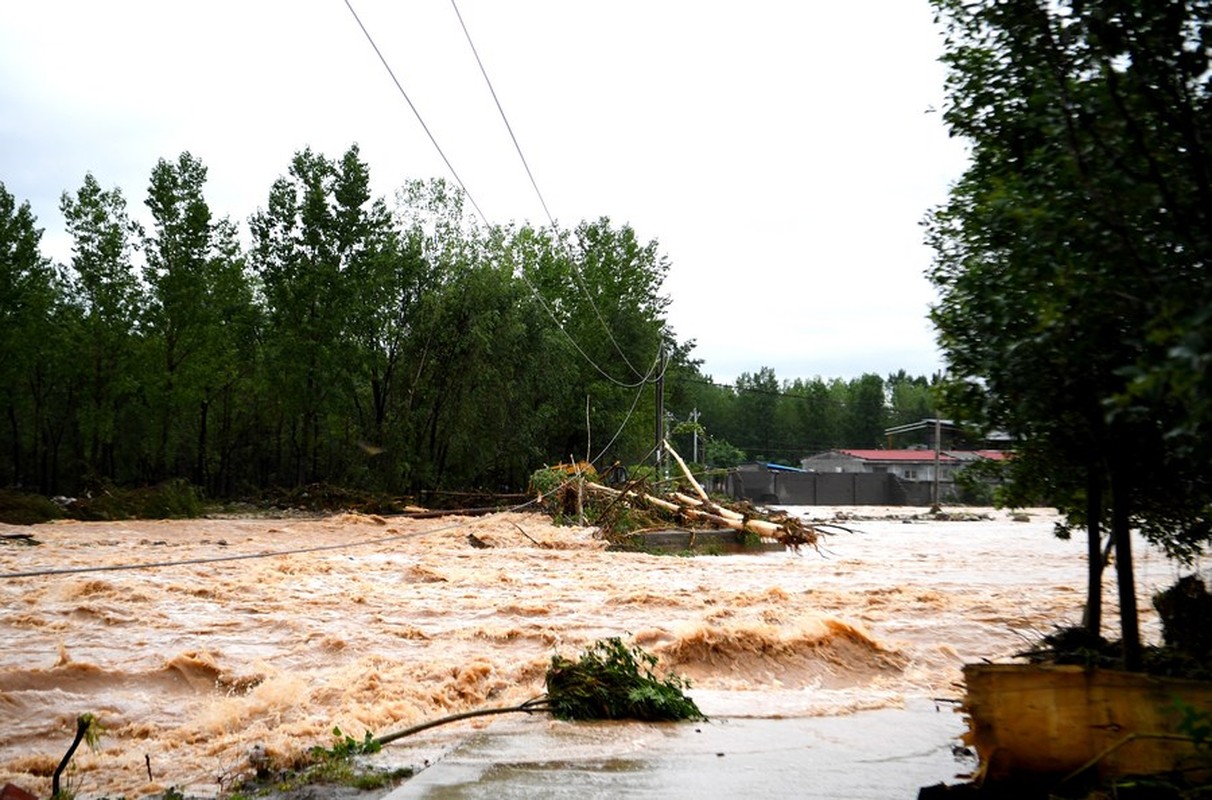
(613, 681)
(610, 681)
(571, 492)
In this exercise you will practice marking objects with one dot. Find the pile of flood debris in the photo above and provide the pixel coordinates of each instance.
(576, 493)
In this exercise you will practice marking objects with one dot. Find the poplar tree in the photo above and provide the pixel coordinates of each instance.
(199, 321)
(106, 290)
(31, 310)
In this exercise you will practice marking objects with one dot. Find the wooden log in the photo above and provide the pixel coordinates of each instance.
(791, 532)
(686, 471)
(759, 526)
(686, 500)
(706, 501)
(656, 502)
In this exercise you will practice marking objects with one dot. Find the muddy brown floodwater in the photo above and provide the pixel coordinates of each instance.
(190, 666)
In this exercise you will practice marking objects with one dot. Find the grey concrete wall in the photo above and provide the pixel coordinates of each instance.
(759, 485)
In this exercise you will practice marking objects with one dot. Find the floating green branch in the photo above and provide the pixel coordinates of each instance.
(610, 681)
(613, 681)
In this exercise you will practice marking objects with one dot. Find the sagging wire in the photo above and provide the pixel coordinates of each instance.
(551, 220)
(622, 425)
(252, 556)
(415, 111)
(484, 218)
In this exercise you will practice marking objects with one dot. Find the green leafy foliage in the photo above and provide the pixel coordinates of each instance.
(337, 765)
(1071, 260)
(1195, 723)
(613, 681)
(347, 746)
(398, 350)
(88, 730)
(719, 453)
(978, 482)
(21, 508)
(174, 499)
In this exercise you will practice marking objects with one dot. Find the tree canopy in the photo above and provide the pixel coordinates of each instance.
(1071, 257)
(399, 347)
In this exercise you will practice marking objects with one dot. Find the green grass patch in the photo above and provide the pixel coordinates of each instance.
(326, 766)
(21, 508)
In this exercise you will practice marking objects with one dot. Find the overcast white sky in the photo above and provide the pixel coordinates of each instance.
(780, 152)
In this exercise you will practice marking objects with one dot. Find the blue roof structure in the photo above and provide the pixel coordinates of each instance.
(781, 467)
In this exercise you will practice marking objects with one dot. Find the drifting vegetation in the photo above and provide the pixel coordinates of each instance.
(613, 681)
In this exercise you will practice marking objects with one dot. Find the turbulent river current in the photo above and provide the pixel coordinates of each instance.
(190, 663)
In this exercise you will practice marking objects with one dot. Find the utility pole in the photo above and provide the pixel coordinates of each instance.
(938, 451)
(694, 432)
(660, 413)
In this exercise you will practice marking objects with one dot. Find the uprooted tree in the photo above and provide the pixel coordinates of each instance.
(1071, 259)
(564, 490)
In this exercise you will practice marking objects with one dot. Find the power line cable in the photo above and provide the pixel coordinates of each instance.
(525, 164)
(501, 110)
(619, 430)
(415, 112)
(543, 302)
(534, 289)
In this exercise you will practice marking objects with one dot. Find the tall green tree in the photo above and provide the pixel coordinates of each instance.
(819, 416)
(320, 224)
(197, 320)
(866, 412)
(472, 400)
(757, 404)
(1071, 259)
(910, 398)
(600, 287)
(110, 297)
(31, 311)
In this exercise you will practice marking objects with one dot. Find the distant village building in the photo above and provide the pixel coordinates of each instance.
(857, 477)
(916, 464)
(914, 468)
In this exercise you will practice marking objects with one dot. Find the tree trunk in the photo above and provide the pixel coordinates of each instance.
(200, 476)
(1094, 553)
(1121, 533)
(16, 429)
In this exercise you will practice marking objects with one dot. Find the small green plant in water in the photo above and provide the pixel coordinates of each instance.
(347, 746)
(613, 681)
(331, 766)
(749, 540)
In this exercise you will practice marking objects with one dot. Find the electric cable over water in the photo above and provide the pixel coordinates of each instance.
(251, 556)
(484, 218)
(576, 271)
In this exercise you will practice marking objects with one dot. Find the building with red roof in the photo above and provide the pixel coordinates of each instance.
(914, 468)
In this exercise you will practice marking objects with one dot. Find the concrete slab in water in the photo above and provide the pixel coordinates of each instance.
(704, 542)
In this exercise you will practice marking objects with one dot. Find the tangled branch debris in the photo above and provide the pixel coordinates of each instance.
(695, 509)
(609, 681)
(613, 681)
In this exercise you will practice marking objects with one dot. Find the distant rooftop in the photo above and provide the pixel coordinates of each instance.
(919, 454)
